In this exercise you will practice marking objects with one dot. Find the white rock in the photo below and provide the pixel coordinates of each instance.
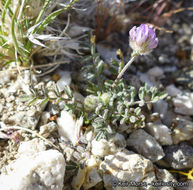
(68, 127)
(92, 177)
(156, 72)
(184, 103)
(183, 131)
(100, 148)
(31, 147)
(172, 90)
(126, 166)
(146, 145)
(161, 132)
(64, 80)
(40, 170)
(6, 76)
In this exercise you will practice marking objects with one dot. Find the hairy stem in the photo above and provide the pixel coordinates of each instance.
(124, 69)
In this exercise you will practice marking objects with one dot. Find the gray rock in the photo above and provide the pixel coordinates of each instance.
(161, 107)
(164, 176)
(172, 90)
(145, 145)
(184, 103)
(179, 156)
(156, 72)
(183, 130)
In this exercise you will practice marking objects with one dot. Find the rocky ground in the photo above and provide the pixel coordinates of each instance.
(42, 146)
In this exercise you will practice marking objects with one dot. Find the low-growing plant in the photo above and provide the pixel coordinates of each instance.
(107, 105)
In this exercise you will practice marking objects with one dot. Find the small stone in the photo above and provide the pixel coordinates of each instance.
(47, 129)
(183, 130)
(172, 90)
(100, 148)
(161, 132)
(164, 176)
(161, 107)
(184, 103)
(156, 72)
(145, 145)
(179, 156)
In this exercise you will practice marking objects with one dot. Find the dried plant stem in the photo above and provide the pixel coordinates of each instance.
(32, 132)
(38, 66)
(124, 69)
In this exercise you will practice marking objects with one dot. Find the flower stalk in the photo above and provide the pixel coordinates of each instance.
(142, 40)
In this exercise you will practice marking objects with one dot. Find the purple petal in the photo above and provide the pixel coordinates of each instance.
(132, 33)
(153, 44)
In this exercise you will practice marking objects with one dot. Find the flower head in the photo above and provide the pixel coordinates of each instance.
(143, 39)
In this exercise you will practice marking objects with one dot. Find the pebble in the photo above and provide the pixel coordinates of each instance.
(179, 156)
(161, 107)
(184, 103)
(146, 145)
(156, 72)
(183, 130)
(160, 132)
(172, 90)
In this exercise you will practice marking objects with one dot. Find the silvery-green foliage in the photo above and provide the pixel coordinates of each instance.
(110, 106)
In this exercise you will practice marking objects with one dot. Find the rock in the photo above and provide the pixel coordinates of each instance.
(103, 147)
(47, 129)
(68, 127)
(88, 176)
(161, 107)
(64, 80)
(107, 53)
(100, 148)
(145, 145)
(184, 103)
(31, 147)
(160, 132)
(126, 166)
(145, 78)
(78, 180)
(34, 169)
(183, 130)
(179, 156)
(45, 117)
(6, 76)
(156, 72)
(164, 176)
(172, 90)
(92, 177)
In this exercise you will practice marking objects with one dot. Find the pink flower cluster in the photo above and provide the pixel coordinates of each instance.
(143, 39)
